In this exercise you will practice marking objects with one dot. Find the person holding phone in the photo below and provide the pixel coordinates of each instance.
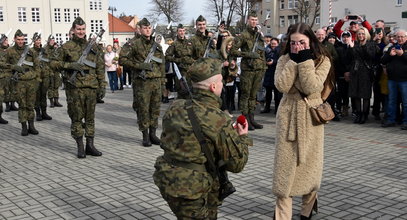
(353, 25)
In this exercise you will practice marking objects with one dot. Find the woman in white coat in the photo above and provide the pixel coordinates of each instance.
(303, 68)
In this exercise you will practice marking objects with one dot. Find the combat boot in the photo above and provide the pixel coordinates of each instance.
(51, 103)
(57, 104)
(44, 114)
(90, 148)
(8, 106)
(81, 150)
(249, 123)
(146, 139)
(2, 120)
(153, 138)
(31, 128)
(13, 106)
(24, 130)
(38, 115)
(254, 123)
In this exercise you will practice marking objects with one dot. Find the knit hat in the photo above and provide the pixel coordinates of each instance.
(204, 68)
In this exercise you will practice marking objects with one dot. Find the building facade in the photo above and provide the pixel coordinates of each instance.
(51, 17)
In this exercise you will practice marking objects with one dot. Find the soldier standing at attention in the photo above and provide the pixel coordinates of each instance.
(4, 76)
(147, 81)
(181, 174)
(44, 73)
(81, 93)
(200, 39)
(10, 93)
(180, 52)
(27, 77)
(253, 66)
(55, 77)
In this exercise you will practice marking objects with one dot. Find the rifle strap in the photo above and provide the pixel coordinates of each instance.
(210, 164)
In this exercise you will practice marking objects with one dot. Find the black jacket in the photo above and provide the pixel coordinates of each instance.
(396, 66)
(271, 54)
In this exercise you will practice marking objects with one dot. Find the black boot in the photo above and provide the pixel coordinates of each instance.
(90, 148)
(31, 128)
(363, 117)
(165, 99)
(357, 118)
(81, 150)
(2, 120)
(249, 123)
(13, 106)
(51, 103)
(146, 139)
(24, 130)
(266, 109)
(153, 138)
(38, 115)
(57, 104)
(8, 106)
(254, 123)
(45, 116)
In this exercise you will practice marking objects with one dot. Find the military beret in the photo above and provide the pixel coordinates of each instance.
(51, 37)
(204, 68)
(180, 26)
(144, 22)
(2, 38)
(78, 21)
(19, 33)
(36, 36)
(200, 18)
(253, 14)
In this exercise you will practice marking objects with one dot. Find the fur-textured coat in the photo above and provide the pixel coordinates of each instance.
(299, 144)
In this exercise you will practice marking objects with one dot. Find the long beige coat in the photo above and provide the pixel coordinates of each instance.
(299, 145)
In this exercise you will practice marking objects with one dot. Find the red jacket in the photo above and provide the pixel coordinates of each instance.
(338, 28)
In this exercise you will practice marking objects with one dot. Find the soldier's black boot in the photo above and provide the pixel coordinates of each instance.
(249, 123)
(44, 114)
(90, 148)
(81, 150)
(153, 138)
(51, 103)
(13, 106)
(31, 128)
(146, 139)
(38, 115)
(8, 106)
(24, 130)
(357, 118)
(57, 104)
(2, 120)
(254, 123)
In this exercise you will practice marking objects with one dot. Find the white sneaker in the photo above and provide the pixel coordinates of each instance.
(129, 86)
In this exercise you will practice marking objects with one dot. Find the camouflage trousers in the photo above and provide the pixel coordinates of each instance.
(203, 208)
(54, 83)
(250, 82)
(146, 102)
(27, 91)
(41, 100)
(10, 91)
(81, 106)
(3, 83)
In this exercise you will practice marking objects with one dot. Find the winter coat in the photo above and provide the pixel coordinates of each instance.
(299, 150)
(271, 54)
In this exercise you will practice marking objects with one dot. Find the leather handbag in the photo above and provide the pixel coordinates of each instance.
(323, 113)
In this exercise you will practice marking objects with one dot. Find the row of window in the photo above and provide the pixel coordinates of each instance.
(294, 3)
(293, 19)
(67, 14)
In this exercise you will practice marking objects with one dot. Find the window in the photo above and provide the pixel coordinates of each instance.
(1, 14)
(35, 14)
(75, 13)
(333, 20)
(282, 21)
(292, 4)
(67, 37)
(96, 26)
(317, 20)
(58, 38)
(399, 2)
(292, 19)
(57, 14)
(67, 15)
(22, 16)
(25, 38)
(100, 5)
(282, 4)
(95, 5)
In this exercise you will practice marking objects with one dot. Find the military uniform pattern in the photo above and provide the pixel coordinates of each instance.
(192, 193)
(252, 69)
(55, 80)
(81, 95)
(199, 43)
(146, 93)
(4, 78)
(27, 83)
(45, 74)
(10, 93)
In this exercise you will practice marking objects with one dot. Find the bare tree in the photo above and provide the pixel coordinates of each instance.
(171, 9)
(222, 10)
(308, 10)
(242, 9)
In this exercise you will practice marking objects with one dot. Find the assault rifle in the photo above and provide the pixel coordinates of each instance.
(83, 59)
(256, 45)
(22, 61)
(182, 79)
(210, 41)
(150, 55)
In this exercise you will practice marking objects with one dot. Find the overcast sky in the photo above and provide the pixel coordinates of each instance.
(192, 8)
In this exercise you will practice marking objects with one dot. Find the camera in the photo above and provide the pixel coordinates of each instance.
(397, 47)
(352, 17)
(378, 30)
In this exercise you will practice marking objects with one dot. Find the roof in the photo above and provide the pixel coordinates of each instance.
(116, 25)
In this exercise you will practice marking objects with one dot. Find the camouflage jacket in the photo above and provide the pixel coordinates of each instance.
(126, 50)
(3, 65)
(246, 42)
(12, 57)
(43, 57)
(180, 144)
(136, 53)
(199, 43)
(180, 52)
(70, 52)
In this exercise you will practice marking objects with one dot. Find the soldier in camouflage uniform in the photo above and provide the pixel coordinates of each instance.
(4, 75)
(180, 52)
(10, 93)
(146, 92)
(200, 39)
(45, 73)
(81, 93)
(27, 77)
(253, 66)
(180, 174)
(55, 77)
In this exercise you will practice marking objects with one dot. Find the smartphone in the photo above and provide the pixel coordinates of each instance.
(397, 47)
(352, 17)
(378, 30)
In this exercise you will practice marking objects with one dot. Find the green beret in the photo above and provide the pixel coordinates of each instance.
(180, 26)
(204, 68)
(144, 22)
(253, 14)
(200, 18)
(78, 21)
(19, 33)
(36, 36)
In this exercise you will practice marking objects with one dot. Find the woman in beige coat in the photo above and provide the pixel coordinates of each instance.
(303, 68)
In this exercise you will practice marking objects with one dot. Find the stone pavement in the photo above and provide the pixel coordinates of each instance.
(365, 175)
